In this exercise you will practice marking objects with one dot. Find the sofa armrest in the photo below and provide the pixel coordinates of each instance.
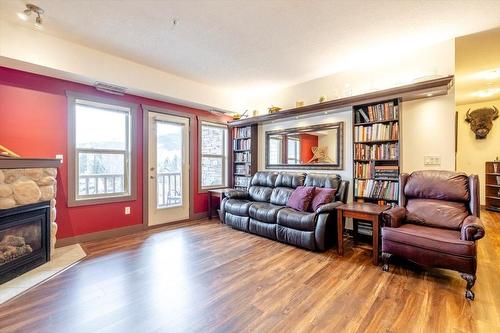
(472, 229)
(393, 217)
(328, 207)
(236, 194)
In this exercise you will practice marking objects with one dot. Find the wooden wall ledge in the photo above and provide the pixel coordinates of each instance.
(423, 89)
(23, 163)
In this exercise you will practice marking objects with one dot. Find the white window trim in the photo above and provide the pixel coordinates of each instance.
(224, 156)
(130, 152)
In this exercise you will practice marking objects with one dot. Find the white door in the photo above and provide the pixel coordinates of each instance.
(168, 168)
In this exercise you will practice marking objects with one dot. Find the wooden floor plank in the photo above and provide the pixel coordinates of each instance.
(204, 276)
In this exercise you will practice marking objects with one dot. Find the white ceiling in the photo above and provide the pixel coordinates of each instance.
(237, 44)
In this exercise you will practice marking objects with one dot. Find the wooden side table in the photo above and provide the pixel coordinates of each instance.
(363, 211)
(217, 193)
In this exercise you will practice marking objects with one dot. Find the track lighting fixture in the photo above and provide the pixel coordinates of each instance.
(30, 8)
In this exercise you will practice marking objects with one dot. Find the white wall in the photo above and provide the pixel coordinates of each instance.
(344, 115)
(37, 52)
(428, 128)
(435, 60)
(472, 153)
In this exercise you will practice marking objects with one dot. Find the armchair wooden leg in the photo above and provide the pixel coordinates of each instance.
(385, 261)
(471, 279)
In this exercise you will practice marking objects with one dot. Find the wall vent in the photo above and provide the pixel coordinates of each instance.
(110, 89)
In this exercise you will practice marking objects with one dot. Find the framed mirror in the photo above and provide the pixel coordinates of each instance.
(310, 147)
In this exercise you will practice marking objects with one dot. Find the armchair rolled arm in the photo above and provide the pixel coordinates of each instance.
(328, 207)
(394, 217)
(236, 194)
(472, 229)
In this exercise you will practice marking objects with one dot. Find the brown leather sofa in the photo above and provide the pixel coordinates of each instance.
(436, 223)
(261, 209)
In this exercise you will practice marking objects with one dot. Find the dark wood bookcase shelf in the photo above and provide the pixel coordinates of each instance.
(492, 188)
(244, 141)
(376, 151)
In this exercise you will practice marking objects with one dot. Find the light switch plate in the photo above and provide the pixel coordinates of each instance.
(60, 157)
(127, 210)
(432, 160)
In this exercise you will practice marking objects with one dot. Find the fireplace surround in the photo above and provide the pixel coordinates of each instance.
(24, 239)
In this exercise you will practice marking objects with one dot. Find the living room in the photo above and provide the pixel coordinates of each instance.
(261, 166)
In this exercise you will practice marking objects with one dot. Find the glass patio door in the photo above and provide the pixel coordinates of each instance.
(168, 168)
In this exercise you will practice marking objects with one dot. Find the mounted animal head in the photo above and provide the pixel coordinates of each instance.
(481, 121)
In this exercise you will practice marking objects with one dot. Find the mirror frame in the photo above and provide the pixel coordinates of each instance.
(318, 166)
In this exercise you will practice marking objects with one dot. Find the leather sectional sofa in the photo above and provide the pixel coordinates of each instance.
(262, 210)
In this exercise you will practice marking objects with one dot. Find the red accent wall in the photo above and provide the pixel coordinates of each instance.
(33, 123)
(307, 141)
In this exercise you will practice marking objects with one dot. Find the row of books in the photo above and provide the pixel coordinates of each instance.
(241, 181)
(243, 157)
(362, 170)
(242, 144)
(242, 169)
(242, 132)
(376, 132)
(376, 189)
(377, 112)
(385, 151)
(386, 171)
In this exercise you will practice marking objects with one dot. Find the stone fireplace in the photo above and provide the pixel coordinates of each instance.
(26, 181)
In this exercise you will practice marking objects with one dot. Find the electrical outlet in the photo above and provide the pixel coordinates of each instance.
(432, 160)
(127, 210)
(60, 157)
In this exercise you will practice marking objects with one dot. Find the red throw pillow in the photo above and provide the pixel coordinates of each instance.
(322, 196)
(300, 199)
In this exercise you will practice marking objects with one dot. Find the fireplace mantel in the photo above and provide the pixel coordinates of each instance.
(21, 163)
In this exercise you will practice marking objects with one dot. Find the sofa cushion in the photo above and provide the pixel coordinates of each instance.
(237, 222)
(280, 195)
(321, 196)
(301, 198)
(260, 193)
(289, 179)
(264, 178)
(237, 207)
(435, 239)
(437, 213)
(264, 212)
(438, 184)
(297, 220)
(322, 180)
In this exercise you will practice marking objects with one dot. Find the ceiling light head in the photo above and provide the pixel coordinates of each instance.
(30, 8)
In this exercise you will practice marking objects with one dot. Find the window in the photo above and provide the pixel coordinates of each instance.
(275, 143)
(100, 161)
(293, 150)
(213, 165)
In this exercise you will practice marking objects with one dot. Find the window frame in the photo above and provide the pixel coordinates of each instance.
(225, 156)
(130, 161)
(297, 151)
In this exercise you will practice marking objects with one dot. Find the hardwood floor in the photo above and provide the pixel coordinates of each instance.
(207, 277)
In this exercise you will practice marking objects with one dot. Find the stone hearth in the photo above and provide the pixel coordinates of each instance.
(27, 185)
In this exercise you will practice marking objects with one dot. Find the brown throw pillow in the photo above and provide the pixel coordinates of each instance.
(300, 199)
(322, 196)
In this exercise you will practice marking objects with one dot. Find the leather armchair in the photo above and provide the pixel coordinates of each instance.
(436, 223)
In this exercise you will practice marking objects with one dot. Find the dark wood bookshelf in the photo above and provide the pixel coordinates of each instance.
(385, 116)
(492, 188)
(248, 134)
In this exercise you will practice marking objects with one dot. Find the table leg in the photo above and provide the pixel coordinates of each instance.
(209, 205)
(340, 233)
(354, 230)
(376, 235)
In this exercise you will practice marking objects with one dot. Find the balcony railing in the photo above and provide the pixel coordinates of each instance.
(100, 184)
(169, 187)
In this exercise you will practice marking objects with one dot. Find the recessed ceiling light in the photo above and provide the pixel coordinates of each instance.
(428, 94)
(30, 8)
